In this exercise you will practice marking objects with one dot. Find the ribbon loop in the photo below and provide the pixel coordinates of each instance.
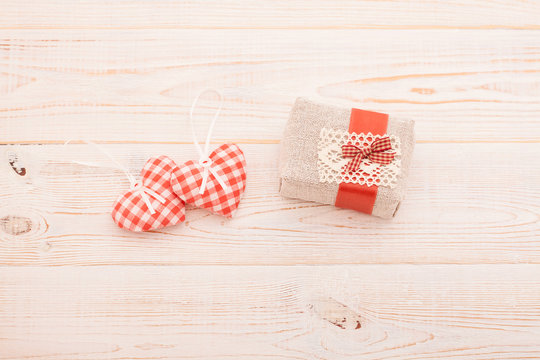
(204, 159)
(377, 152)
(137, 187)
(205, 162)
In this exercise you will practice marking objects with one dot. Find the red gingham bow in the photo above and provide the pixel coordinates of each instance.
(374, 152)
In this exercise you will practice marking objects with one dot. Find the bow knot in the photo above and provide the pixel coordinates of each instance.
(376, 152)
(139, 189)
(207, 164)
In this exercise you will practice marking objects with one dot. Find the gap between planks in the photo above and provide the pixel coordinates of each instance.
(249, 141)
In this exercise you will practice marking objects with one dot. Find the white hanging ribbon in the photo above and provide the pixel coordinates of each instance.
(137, 187)
(204, 160)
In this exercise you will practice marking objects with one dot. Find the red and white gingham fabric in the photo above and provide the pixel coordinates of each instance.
(229, 162)
(130, 210)
(376, 152)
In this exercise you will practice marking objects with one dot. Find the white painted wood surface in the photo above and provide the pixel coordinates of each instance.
(258, 312)
(484, 80)
(455, 275)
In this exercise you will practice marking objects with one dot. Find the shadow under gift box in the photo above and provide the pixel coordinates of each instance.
(299, 171)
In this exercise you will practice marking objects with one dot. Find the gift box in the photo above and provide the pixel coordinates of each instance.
(350, 158)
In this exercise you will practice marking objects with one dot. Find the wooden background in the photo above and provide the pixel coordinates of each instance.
(456, 275)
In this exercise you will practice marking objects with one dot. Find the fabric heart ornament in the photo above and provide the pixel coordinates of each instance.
(151, 202)
(225, 182)
(217, 181)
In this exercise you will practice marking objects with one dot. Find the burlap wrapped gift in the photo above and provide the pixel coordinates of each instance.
(299, 172)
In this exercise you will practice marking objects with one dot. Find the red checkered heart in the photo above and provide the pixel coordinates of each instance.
(230, 164)
(132, 212)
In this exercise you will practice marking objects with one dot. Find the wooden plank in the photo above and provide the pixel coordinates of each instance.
(125, 72)
(300, 312)
(137, 86)
(297, 14)
(466, 203)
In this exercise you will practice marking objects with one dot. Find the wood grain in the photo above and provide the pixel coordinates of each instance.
(446, 217)
(464, 86)
(456, 275)
(183, 312)
(267, 14)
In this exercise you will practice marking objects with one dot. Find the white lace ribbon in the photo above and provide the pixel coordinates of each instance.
(204, 161)
(137, 187)
(330, 162)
